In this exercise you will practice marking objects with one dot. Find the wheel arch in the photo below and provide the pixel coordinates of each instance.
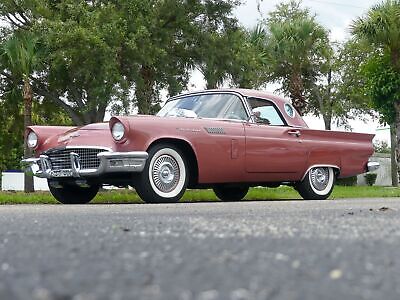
(336, 169)
(189, 153)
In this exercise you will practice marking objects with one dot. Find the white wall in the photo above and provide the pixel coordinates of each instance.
(384, 173)
(14, 181)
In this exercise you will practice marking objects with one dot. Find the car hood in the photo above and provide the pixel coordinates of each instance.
(83, 137)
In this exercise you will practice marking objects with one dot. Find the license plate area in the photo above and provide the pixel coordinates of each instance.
(61, 173)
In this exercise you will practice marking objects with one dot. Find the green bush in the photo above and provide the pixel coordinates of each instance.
(381, 147)
(370, 178)
(348, 181)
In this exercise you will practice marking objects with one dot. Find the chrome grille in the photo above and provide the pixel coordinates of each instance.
(60, 159)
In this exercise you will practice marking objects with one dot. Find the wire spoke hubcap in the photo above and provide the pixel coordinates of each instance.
(166, 173)
(319, 178)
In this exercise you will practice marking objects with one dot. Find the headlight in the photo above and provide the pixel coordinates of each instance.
(32, 140)
(118, 131)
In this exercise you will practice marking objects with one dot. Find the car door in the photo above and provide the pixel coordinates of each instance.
(272, 147)
(220, 146)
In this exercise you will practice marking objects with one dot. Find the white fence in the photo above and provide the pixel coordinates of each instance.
(14, 181)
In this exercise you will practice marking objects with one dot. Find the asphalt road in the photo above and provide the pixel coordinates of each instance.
(345, 249)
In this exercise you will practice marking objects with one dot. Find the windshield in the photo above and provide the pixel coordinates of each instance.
(217, 106)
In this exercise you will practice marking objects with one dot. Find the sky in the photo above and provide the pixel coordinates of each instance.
(336, 16)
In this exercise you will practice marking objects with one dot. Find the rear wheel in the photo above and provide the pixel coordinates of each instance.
(317, 184)
(73, 194)
(231, 193)
(165, 175)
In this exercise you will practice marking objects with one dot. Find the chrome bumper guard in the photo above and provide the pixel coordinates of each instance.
(110, 162)
(372, 166)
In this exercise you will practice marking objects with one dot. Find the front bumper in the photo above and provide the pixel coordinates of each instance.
(110, 162)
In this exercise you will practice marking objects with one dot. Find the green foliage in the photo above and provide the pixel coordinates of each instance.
(296, 48)
(370, 178)
(248, 63)
(91, 55)
(215, 56)
(98, 52)
(382, 147)
(11, 131)
(181, 35)
(340, 94)
(348, 181)
(351, 82)
(21, 54)
(81, 40)
(268, 194)
(382, 84)
(381, 28)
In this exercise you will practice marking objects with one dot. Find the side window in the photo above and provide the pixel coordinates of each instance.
(217, 106)
(235, 110)
(265, 112)
(221, 106)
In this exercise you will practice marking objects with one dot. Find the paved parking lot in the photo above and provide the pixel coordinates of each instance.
(344, 249)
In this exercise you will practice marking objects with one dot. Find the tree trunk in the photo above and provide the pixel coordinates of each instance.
(144, 91)
(211, 79)
(395, 174)
(101, 112)
(395, 57)
(327, 121)
(296, 90)
(211, 84)
(397, 109)
(27, 95)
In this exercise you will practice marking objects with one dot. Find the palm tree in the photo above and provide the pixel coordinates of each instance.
(380, 27)
(296, 46)
(20, 52)
(247, 62)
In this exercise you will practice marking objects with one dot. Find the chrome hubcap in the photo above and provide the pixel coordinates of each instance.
(165, 173)
(319, 178)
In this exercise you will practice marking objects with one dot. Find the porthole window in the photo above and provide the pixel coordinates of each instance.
(289, 110)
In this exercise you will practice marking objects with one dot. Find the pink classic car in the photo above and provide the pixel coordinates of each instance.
(227, 140)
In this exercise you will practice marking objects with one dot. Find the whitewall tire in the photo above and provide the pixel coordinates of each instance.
(317, 184)
(165, 176)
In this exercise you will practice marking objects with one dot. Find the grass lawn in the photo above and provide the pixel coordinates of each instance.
(129, 196)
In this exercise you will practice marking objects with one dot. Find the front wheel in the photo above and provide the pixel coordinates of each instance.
(233, 193)
(317, 184)
(165, 175)
(73, 194)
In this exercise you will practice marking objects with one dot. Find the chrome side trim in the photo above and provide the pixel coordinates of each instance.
(137, 161)
(372, 166)
(215, 130)
(321, 165)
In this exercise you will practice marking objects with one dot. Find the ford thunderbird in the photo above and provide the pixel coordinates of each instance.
(227, 140)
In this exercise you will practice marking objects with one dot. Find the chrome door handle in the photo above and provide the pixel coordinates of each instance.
(294, 132)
